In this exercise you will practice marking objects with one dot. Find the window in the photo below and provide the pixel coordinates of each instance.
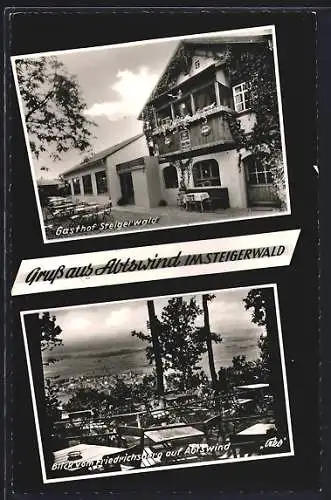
(101, 181)
(257, 173)
(87, 184)
(204, 97)
(164, 116)
(170, 177)
(76, 185)
(183, 107)
(206, 173)
(241, 97)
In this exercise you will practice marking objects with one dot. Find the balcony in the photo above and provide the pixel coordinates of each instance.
(192, 133)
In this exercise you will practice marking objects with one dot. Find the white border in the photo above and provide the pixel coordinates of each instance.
(261, 30)
(139, 471)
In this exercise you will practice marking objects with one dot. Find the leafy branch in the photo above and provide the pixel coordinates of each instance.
(55, 110)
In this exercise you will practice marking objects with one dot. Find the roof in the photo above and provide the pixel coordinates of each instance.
(48, 182)
(191, 44)
(103, 154)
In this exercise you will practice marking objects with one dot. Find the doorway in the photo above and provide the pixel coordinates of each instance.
(127, 188)
(260, 187)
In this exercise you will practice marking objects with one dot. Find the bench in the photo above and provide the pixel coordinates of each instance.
(218, 197)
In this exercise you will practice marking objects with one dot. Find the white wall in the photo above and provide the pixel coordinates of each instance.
(168, 194)
(95, 197)
(153, 181)
(221, 77)
(231, 176)
(134, 150)
(204, 63)
(140, 188)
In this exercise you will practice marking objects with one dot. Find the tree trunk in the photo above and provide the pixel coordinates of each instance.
(156, 347)
(209, 342)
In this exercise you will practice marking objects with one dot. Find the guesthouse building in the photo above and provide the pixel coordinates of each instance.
(197, 124)
(192, 117)
(124, 173)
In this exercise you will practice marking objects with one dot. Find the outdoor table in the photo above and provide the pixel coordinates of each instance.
(170, 433)
(196, 199)
(253, 386)
(81, 208)
(256, 430)
(87, 208)
(244, 401)
(88, 452)
(64, 207)
(170, 398)
(62, 201)
(56, 199)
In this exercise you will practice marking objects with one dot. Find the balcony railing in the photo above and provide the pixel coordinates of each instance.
(203, 129)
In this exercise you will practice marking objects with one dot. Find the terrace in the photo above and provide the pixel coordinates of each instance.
(173, 429)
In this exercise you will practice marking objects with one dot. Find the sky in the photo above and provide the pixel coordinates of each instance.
(116, 83)
(109, 326)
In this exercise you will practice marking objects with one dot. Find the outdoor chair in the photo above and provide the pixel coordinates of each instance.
(104, 214)
(244, 446)
(214, 431)
(181, 200)
(129, 458)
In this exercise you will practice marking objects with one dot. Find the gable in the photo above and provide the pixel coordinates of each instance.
(199, 63)
(182, 65)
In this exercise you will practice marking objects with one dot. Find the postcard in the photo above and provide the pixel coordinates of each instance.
(158, 383)
(155, 134)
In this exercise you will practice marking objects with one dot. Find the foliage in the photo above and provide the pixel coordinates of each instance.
(135, 388)
(49, 333)
(184, 167)
(54, 107)
(88, 399)
(143, 388)
(181, 342)
(52, 402)
(180, 63)
(254, 65)
(175, 380)
(260, 300)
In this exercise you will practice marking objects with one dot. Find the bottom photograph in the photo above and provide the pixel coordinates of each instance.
(158, 383)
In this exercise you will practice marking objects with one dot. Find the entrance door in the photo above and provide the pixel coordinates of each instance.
(127, 188)
(260, 188)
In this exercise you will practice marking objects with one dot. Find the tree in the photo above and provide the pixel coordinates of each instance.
(181, 342)
(185, 172)
(262, 303)
(54, 107)
(209, 339)
(49, 335)
(154, 326)
(88, 399)
(52, 402)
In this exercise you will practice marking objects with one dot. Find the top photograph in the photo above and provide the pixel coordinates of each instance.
(155, 134)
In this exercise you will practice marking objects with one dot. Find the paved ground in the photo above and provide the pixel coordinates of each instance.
(126, 219)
